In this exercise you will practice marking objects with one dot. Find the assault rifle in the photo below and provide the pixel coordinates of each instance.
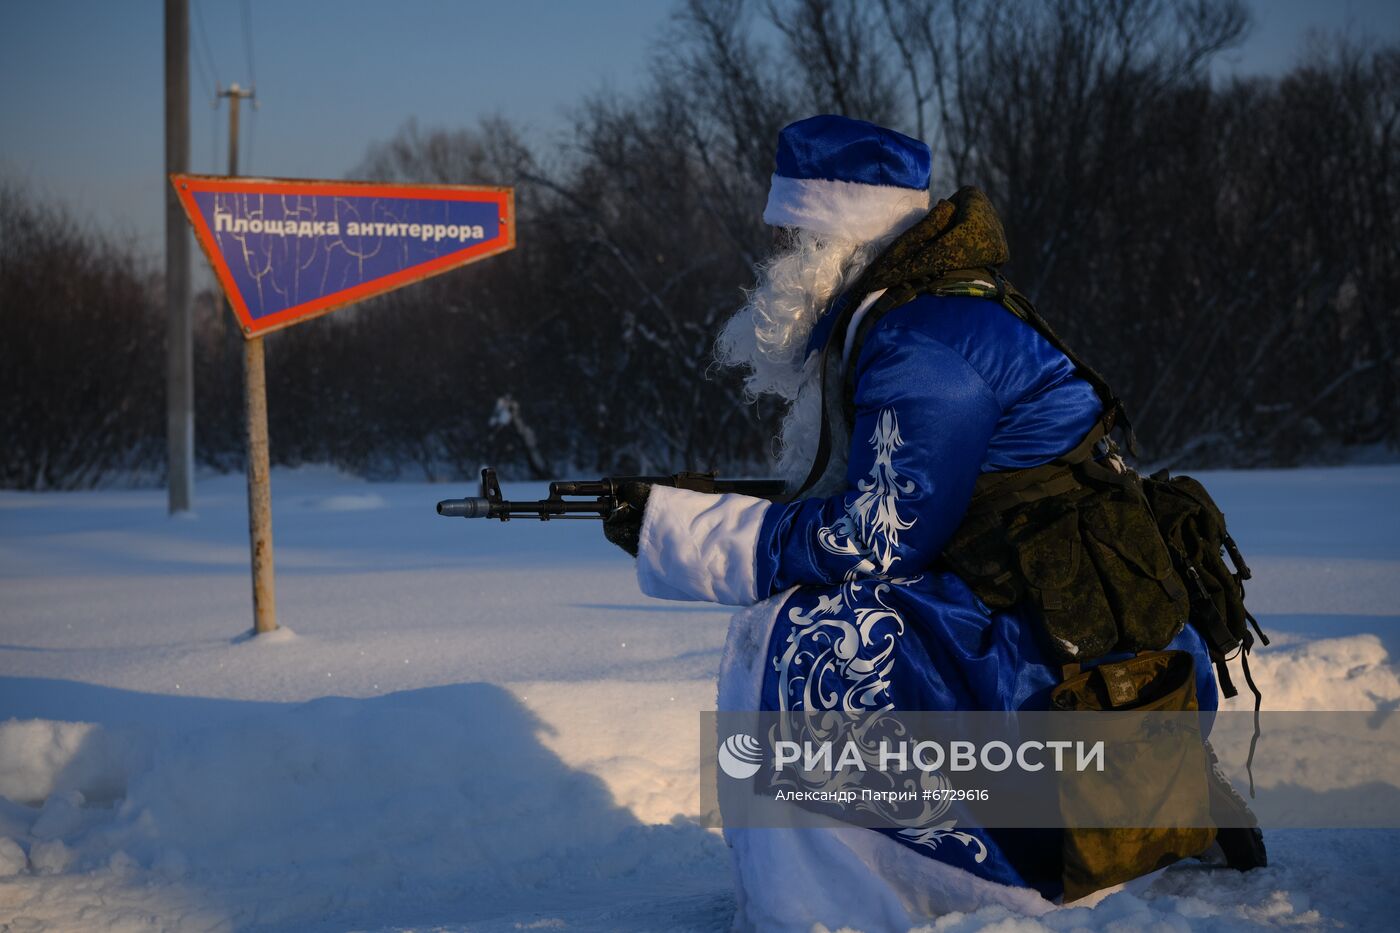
(591, 498)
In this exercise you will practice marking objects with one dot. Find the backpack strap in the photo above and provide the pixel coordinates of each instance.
(973, 283)
(991, 284)
(1115, 414)
(892, 298)
(970, 283)
(998, 491)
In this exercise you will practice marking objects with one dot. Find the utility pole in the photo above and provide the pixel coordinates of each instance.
(255, 415)
(179, 352)
(235, 95)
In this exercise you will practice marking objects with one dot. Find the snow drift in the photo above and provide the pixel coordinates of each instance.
(487, 728)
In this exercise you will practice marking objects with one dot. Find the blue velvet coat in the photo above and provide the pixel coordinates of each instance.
(946, 388)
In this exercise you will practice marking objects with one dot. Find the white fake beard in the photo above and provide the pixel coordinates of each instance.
(768, 337)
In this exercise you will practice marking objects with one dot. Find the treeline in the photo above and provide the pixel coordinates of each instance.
(1226, 254)
(82, 384)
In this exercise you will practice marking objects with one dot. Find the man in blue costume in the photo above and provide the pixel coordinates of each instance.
(850, 609)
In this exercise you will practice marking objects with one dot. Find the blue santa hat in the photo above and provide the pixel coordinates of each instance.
(848, 178)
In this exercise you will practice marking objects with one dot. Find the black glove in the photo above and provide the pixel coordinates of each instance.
(624, 526)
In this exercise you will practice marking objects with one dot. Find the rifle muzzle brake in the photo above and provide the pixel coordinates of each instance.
(475, 507)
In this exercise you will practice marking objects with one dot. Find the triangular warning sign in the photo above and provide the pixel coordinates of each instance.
(286, 250)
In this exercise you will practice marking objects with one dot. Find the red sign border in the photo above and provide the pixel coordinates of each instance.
(186, 186)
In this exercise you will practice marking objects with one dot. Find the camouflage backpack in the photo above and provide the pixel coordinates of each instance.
(1115, 561)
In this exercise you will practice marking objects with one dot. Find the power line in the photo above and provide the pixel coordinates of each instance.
(210, 94)
(206, 73)
(247, 17)
(247, 11)
(210, 76)
(204, 42)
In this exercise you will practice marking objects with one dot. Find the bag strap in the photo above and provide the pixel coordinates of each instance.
(1114, 412)
(974, 283)
(968, 283)
(996, 492)
(892, 298)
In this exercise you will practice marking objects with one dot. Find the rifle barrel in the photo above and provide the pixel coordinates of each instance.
(490, 504)
(480, 507)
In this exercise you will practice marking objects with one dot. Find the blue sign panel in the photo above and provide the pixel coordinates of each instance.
(285, 251)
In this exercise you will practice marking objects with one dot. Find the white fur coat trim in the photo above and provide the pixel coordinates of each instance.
(844, 209)
(700, 546)
(790, 879)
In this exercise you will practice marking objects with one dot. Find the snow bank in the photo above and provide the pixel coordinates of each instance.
(1317, 880)
(486, 727)
(39, 759)
(1353, 673)
(12, 858)
(440, 799)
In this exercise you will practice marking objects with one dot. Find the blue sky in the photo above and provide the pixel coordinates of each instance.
(81, 111)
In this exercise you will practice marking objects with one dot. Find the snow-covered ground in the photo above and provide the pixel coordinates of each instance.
(475, 726)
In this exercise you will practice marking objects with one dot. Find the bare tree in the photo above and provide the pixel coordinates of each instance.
(1226, 253)
(81, 369)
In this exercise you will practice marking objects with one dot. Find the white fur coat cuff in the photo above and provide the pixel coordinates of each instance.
(700, 546)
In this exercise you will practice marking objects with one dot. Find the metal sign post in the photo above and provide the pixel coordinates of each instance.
(259, 466)
(259, 487)
(285, 251)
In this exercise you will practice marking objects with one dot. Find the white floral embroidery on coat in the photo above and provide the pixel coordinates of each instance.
(839, 655)
(871, 526)
(839, 642)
